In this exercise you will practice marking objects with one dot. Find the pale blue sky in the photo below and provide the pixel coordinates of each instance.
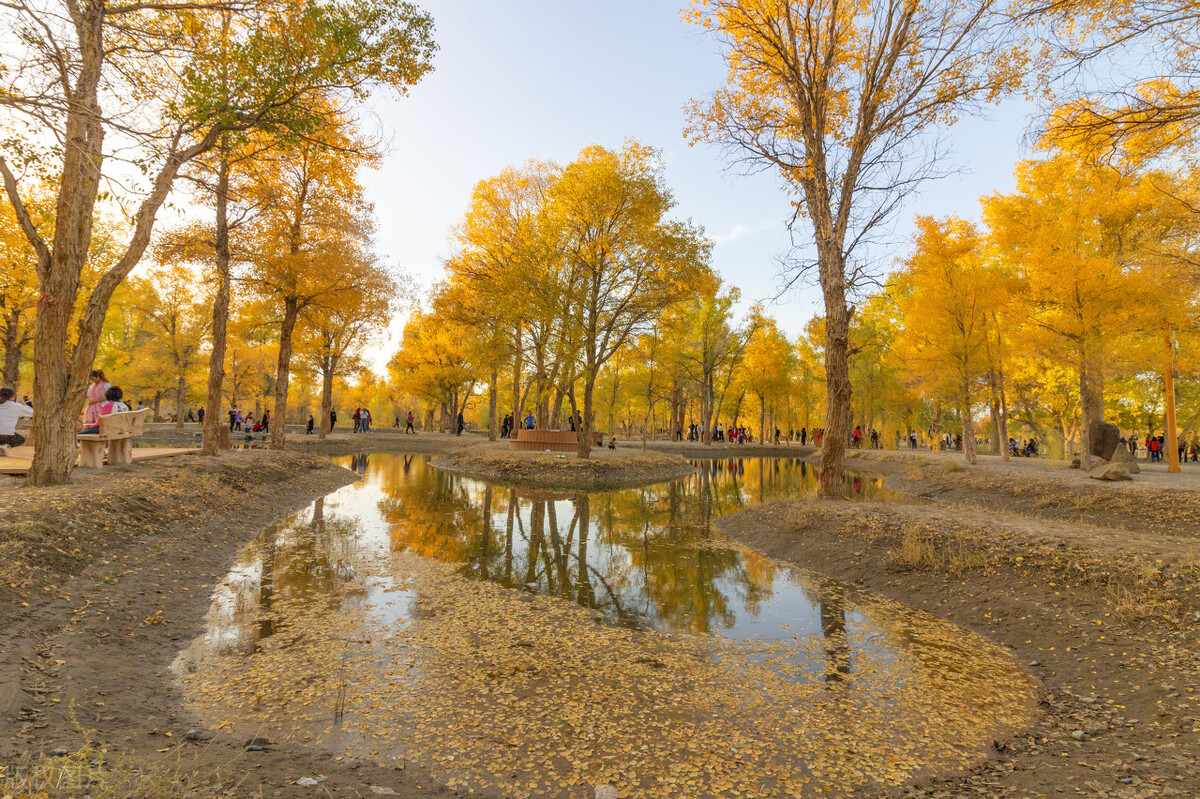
(521, 79)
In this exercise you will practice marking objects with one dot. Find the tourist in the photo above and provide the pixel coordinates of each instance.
(612, 443)
(11, 412)
(266, 421)
(112, 404)
(396, 424)
(459, 423)
(803, 436)
(191, 417)
(408, 424)
(365, 420)
(200, 415)
(232, 419)
(308, 429)
(332, 420)
(95, 397)
(357, 417)
(529, 422)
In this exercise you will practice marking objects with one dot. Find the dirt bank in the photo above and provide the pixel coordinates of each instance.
(604, 470)
(1111, 633)
(104, 581)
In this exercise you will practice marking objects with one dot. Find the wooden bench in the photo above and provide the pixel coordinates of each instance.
(542, 440)
(116, 430)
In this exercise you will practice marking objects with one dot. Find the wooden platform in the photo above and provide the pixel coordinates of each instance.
(542, 440)
(19, 458)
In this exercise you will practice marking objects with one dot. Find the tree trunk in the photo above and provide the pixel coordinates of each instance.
(211, 440)
(493, 401)
(517, 399)
(968, 423)
(283, 372)
(1091, 404)
(837, 377)
(329, 366)
(12, 349)
(180, 399)
(585, 433)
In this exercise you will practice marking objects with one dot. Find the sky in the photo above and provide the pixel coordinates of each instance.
(523, 79)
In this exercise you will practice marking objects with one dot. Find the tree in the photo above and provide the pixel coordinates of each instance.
(713, 350)
(312, 232)
(504, 252)
(627, 261)
(768, 365)
(838, 98)
(434, 363)
(332, 333)
(1080, 232)
(944, 294)
(157, 66)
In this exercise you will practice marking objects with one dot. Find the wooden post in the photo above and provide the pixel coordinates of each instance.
(1172, 443)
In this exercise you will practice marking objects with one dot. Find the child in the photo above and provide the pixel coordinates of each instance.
(112, 404)
(612, 443)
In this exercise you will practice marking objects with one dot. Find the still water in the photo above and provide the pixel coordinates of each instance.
(532, 643)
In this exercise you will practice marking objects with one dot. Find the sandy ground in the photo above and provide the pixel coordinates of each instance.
(103, 582)
(603, 470)
(1093, 585)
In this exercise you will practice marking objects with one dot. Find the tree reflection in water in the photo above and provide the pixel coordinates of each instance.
(644, 557)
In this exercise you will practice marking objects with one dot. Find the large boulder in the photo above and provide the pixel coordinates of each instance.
(1111, 471)
(1106, 438)
(1124, 457)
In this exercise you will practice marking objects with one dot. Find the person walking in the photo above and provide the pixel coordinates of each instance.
(459, 422)
(308, 429)
(332, 420)
(366, 420)
(200, 415)
(232, 418)
(408, 424)
(266, 421)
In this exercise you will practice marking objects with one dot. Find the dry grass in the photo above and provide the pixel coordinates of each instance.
(87, 771)
(922, 548)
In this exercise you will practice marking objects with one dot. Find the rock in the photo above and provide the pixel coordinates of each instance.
(1110, 471)
(60, 752)
(1035, 663)
(382, 790)
(1105, 438)
(259, 742)
(1124, 457)
(196, 735)
(254, 748)
(309, 782)
(1079, 735)
(606, 792)
(1126, 780)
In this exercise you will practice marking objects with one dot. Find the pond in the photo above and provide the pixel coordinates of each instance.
(528, 643)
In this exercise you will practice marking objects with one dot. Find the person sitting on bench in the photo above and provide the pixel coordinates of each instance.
(112, 404)
(10, 412)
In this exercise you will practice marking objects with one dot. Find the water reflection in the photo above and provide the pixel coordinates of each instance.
(382, 622)
(642, 556)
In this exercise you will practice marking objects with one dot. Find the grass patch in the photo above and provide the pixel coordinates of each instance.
(921, 548)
